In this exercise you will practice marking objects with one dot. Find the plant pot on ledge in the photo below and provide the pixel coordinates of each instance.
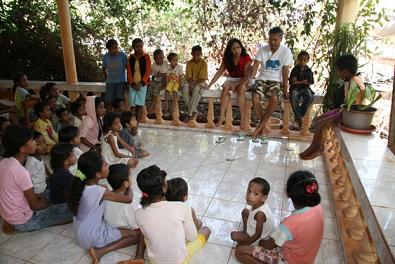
(358, 119)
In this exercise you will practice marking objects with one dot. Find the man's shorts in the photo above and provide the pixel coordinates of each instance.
(272, 256)
(267, 89)
(114, 91)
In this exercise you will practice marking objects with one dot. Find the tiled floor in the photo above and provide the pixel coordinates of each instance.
(218, 175)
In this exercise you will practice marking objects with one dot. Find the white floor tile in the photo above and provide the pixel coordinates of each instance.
(213, 254)
(220, 231)
(225, 210)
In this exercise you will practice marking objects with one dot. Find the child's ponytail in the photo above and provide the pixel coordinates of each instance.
(151, 182)
(89, 164)
(302, 188)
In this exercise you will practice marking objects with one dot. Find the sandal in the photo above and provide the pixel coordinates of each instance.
(240, 137)
(264, 140)
(220, 139)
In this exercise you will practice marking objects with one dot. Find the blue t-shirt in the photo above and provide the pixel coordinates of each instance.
(115, 67)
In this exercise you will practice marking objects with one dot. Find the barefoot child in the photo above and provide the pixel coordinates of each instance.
(129, 124)
(120, 215)
(170, 233)
(173, 78)
(298, 238)
(78, 111)
(110, 151)
(35, 164)
(177, 191)
(71, 134)
(86, 203)
(159, 70)
(258, 221)
(44, 125)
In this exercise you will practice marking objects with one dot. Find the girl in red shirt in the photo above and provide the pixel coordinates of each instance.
(237, 63)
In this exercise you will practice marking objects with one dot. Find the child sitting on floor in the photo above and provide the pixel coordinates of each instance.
(62, 157)
(120, 215)
(50, 89)
(64, 119)
(18, 202)
(173, 78)
(258, 221)
(86, 203)
(35, 164)
(21, 94)
(129, 124)
(110, 151)
(91, 129)
(44, 125)
(177, 191)
(298, 238)
(77, 112)
(159, 70)
(170, 233)
(71, 134)
(119, 105)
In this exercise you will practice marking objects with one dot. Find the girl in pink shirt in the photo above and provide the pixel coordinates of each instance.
(298, 238)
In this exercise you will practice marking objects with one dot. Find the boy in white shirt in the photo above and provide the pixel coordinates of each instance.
(35, 164)
(119, 215)
(271, 84)
(159, 71)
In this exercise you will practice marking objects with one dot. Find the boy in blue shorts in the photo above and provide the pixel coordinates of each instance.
(114, 66)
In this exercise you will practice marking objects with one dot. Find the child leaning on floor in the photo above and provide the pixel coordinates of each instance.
(110, 151)
(120, 215)
(62, 157)
(19, 205)
(177, 191)
(86, 203)
(173, 78)
(300, 80)
(170, 233)
(71, 134)
(35, 164)
(298, 238)
(258, 221)
(129, 124)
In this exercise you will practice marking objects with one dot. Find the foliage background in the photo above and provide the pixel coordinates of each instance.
(30, 40)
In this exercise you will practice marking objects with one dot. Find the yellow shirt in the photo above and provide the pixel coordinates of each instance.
(46, 129)
(137, 73)
(197, 71)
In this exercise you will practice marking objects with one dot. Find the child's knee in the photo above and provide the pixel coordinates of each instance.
(205, 231)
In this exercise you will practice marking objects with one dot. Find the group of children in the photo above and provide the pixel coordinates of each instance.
(145, 79)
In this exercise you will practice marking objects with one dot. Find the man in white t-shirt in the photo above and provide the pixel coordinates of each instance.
(274, 60)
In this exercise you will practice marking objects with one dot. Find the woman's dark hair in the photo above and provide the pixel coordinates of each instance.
(110, 43)
(177, 189)
(44, 92)
(137, 41)
(347, 62)
(16, 77)
(126, 117)
(60, 111)
(302, 188)
(89, 164)
(59, 154)
(150, 181)
(108, 120)
(75, 106)
(171, 56)
(68, 133)
(14, 137)
(117, 175)
(228, 56)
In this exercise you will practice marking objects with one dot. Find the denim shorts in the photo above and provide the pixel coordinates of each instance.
(114, 91)
(54, 215)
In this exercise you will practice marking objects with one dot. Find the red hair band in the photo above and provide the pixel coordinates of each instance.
(145, 195)
(311, 188)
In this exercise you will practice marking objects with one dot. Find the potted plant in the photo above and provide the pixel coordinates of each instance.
(360, 116)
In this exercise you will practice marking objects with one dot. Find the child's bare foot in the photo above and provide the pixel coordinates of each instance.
(132, 163)
(95, 257)
(8, 228)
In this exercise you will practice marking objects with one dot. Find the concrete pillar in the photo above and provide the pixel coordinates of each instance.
(346, 11)
(67, 41)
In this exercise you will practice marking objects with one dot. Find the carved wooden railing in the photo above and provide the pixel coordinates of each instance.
(209, 96)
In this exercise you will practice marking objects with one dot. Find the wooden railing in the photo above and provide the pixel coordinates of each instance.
(209, 96)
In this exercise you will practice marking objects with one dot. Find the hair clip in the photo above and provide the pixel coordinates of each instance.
(79, 174)
(145, 195)
(311, 188)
